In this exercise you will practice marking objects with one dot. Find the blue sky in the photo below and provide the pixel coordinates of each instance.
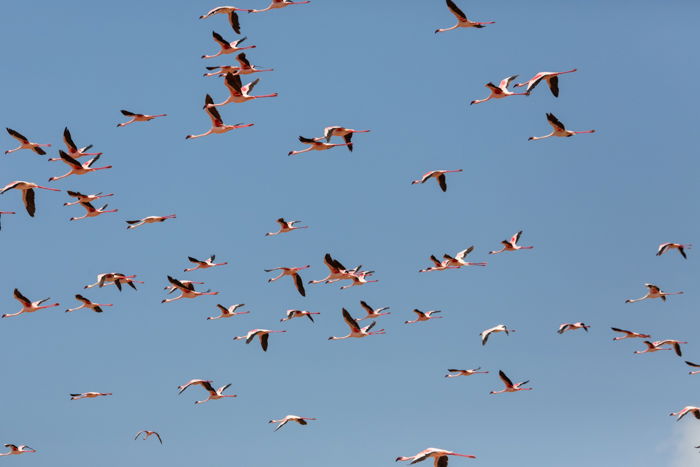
(594, 206)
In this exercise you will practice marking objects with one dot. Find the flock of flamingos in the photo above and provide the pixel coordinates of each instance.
(337, 272)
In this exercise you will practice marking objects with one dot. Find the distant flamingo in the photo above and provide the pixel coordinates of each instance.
(15, 450)
(551, 77)
(500, 91)
(358, 278)
(558, 129)
(676, 345)
(629, 334)
(511, 245)
(694, 365)
(294, 274)
(291, 314)
(315, 145)
(664, 247)
(279, 4)
(74, 151)
(371, 312)
(138, 117)
(78, 168)
(286, 226)
(239, 93)
(336, 270)
(651, 347)
(227, 47)
(148, 220)
(217, 124)
(28, 194)
(438, 175)
(572, 326)
(345, 133)
(92, 211)
(214, 394)
(439, 456)
(262, 334)
(462, 20)
(438, 265)
(25, 143)
(424, 316)
(230, 311)
(510, 387)
(89, 395)
(244, 68)
(115, 278)
(500, 328)
(291, 418)
(81, 198)
(206, 264)
(654, 292)
(230, 11)
(147, 433)
(465, 372)
(685, 411)
(355, 329)
(458, 259)
(86, 303)
(27, 305)
(186, 291)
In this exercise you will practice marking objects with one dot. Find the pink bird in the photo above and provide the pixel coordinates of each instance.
(206, 264)
(286, 226)
(358, 278)
(92, 211)
(371, 312)
(244, 68)
(676, 345)
(81, 198)
(664, 247)
(572, 326)
(27, 305)
(186, 291)
(464, 372)
(510, 387)
(15, 450)
(214, 394)
(227, 47)
(290, 418)
(438, 175)
(315, 145)
(115, 278)
(685, 411)
(355, 329)
(438, 265)
(28, 193)
(276, 4)
(86, 303)
(294, 274)
(336, 270)
(500, 91)
(24, 143)
(77, 168)
(500, 328)
(654, 292)
(651, 347)
(511, 245)
(217, 124)
(291, 314)
(89, 395)
(424, 316)
(551, 77)
(458, 260)
(148, 220)
(629, 334)
(74, 151)
(230, 311)
(462, 20)
(262, 334)
(439, 456)
(345, 133)
(239, 93)
(694, 365)
(558, 130)
(230, 12)
(138, 117)
(147, 433)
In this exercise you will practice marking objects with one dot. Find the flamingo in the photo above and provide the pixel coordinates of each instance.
(230, 311)
(551, 77)
(244, 68)
(500, 91)
(88, 395)
(439, 456)
(171, 288)
(81, 198)
(138, 117)
(439, 265)
(227, 47)
(230, 11)
(217, 124)
(500, 328)
(345, 133)
(262, 334)
(510, 387)
(25, 143)
(358, 278)
(15, 450)
(355, 329)
(629, 334)
(511, 245)
(371, 312)
(27, 305)
(424, 316)
(148, 220)
(654, 292)
(279, 4)
(572, 326)
(458, 259)
(286, 226)
(336, 270)
(28, 193)
(186, 291)
(206, 264)
(294, 274)
(651, 347)
(214, 394)
(694, 365)
(291, 314)
(5, 212)
(465, 372)
(315, 145)
(686, 410)
(115, 278)
(438, 175)
(77, 168)
(239, 93)
(92, 211)
(664, 247)
(673, 343)
(291, 418)
(86, 303)
(73, 150)
(462, 20)
(147, 433)
(558, 129)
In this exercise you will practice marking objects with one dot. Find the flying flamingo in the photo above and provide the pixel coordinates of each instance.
(439, 456)
(315, 145)
(664, 247)
(286, 226)
(439, 265)
(673, 343)
(171, 288)
(214, 394)
(359, 278)
(345, 133)
(465, 372)
(458, 259)
(511, 245)
(239, 93)
(92, 211)
(74, 151)
(510, 387)
(654, 292)
(217, 124)
(28, 193)
(686, 410)
(115, 278)
(149, 220)
(629, 334)
(294, 274)
(244, 68)
(500, 91)
(147, 433)
(572, 326)
(551, 77)
(355, 329)
(227, 47)
(291, 418)
(206, 264)
(279, 4)
(291, 314)
(25, 143)
(336, 270)
(651, 347)
(81, 198)
(262, 334)
(86, 303)
(230, 11)
(694, 365)
(15, 450)
(88, 395)
(77, 168)
(558, 129)
(424, 316)
(500, 328)
(186, 291)
(438, 175)
(371, 312)
(5, 212)
(230, 311)
(462, 20)
(138, 117)
(27, 305)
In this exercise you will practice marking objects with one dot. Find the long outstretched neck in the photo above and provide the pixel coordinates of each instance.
(447, 29)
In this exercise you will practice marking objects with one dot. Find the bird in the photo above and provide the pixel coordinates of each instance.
(315, 145)
(78, 168)
(217, 124)
(572, 326)
(551, 77)
(148, 220)
(345, 133)
(96, 307)
(694, 365)
(147, 433)
(294, 274)
(510, 387)
(74, 151)
(438, 265)
(500, 328)
(5, 212)
(464, 372)
(651, 347)
(336, 270)
(227, 47)
(115, 278)
(458, 259)
(206, 264)
(214, 394)
(230, 311)
(138, 117)
(686, 410)
(558, 129)
(262, 334)
(355, 329)
(244, 67)
(629, 334)
(15, 450)
(371, 312)
(462, 20)
(27, 305)
(82, 198)
(230, 11)
(28, 193)
(88, 395)
(291, 314)
(279, 4)
(438, 175)
(239, 93)
(664, 247)
(290, 418)
(186, 291)
(676, 345)
(439, 456)
(511, 245)
(358, 278)
(654, 292)
(500, 91)
(92, 211)
(424, 316)
(25, 143)
(286, 226)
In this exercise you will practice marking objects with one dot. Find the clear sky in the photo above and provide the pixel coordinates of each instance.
(594, 206)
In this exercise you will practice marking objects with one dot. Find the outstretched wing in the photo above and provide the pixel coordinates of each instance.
(354, 327)
(506, 380)
(454, 9)
(233, 21)
(554, 121)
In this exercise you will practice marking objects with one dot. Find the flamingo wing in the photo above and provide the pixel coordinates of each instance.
(234, 84)
(221, 41)
(554, 85)
(299, 284)
(243, 60)
(462, 254)
(454, 9)
(68, 140)
(442, 181)
(17, 135)
(233, 21)
(328, 132)
(213, 113)
(506, 82)
(126, 113)
(554, 121)
(354, 327)
(22, 299)
(264, 339)
(69, 160)
(28, 199)
(505, 379)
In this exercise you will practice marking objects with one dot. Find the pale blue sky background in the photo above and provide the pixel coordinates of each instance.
(595, 207)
